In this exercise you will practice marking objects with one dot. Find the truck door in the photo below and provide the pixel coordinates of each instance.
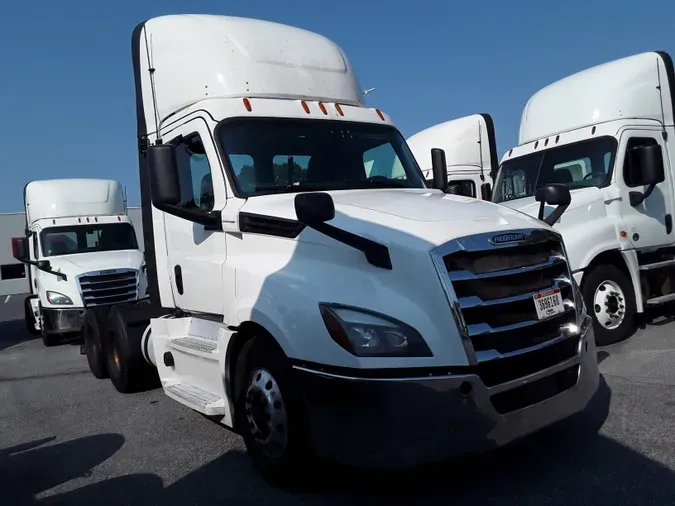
(650, 223)
(34, 255)
(196, 255)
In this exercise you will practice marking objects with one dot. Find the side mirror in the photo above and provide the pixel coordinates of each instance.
(645, 165)
(555, 194)
(44, 265)
(164, 181)
(486, 191)
(314, 208)
(20, 248)
(440, 169)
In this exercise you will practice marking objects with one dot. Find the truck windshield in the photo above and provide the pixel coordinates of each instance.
(75, 239)
(579, 165)
(275, 155)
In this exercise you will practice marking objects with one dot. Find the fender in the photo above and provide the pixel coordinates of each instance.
(586, 241)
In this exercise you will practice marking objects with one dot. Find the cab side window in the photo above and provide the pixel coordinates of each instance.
(634, 142)
(194, 172)
(465, 187)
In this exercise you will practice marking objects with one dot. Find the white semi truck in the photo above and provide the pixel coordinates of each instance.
(82, 251)
(307, 289)
(470, 150)
(607, 134)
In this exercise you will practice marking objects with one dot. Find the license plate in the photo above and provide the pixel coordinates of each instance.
(548, 303)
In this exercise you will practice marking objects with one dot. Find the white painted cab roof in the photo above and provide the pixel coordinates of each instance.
(67, 198)
(468, 142)
(627, 88)
(199, 57)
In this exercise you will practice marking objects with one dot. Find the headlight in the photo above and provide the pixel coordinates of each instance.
(368, 334)
(58, 299)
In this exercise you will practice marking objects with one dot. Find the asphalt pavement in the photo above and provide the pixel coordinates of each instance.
(68, 438)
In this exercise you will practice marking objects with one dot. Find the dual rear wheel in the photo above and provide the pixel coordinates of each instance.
(112, 344)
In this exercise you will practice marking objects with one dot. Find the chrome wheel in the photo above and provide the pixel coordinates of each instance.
(266, 413)
(609, 305)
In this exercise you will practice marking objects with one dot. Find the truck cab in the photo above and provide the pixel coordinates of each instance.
(470, 151)
(81, 250)
(606, 134)
(307, 289)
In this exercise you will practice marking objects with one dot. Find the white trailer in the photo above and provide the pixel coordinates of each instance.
(470, 151)
(307, 289)
(606, 133)
(81, 251)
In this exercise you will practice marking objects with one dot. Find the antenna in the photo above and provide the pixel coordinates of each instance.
(664, 134)
(480, 150)
(151, 70)
(369, 90)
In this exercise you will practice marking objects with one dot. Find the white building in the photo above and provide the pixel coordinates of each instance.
(13, 274)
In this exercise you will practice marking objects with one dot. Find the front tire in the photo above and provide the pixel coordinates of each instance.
(48, 339)
(29, 317)
(94, 327)
(271, 415)
(610, 299)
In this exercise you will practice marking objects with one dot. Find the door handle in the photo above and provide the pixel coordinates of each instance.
(178, 278)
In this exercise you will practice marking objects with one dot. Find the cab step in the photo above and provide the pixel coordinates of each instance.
(658, 265)
(198, 344)
(660, 300)
(196, 398)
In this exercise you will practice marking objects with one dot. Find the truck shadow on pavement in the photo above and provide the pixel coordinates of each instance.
(13, 332)
(566, 464)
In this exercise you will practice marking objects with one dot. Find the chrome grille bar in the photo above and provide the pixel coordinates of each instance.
(490, 284)
(111, 286)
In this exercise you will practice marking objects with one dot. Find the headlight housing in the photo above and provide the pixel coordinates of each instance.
(58, 299)
(365, 333)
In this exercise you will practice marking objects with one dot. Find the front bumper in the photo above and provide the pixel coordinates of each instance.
(63, 321)
(405, 422)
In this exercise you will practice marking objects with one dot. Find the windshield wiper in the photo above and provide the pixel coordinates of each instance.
(379, 183)
(336, 185)
(290, 188)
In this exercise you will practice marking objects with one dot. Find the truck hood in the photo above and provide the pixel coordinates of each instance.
(587, 203)
(74, 265)
(421, 218)
(88, 262)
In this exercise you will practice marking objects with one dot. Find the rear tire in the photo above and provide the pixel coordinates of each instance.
(610, 299)
(29, 317)
(128, 370)
(94, 328)
(271, 415)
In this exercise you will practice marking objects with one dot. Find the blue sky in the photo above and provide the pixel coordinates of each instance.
(67, 87)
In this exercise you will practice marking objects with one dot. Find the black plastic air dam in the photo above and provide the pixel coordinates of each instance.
(403, 423)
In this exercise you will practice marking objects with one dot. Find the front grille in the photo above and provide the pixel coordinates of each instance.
(491, 286)
(109, 287)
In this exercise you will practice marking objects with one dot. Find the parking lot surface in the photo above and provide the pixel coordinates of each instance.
(68, 438)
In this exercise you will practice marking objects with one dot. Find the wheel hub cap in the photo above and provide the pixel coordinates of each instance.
(266, 413)
(609, 305)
